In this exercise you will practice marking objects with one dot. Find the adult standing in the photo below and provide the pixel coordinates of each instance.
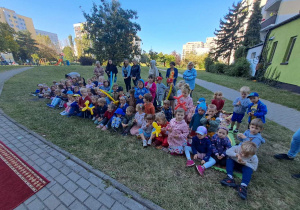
(190, 75)
(294, 150)
(126, 72)
(98, 71)
(153, 69)
(170, 72)
(135, 72)
(111, 69)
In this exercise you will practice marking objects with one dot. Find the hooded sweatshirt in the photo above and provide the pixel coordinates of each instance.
(140, 91)
(153, 69)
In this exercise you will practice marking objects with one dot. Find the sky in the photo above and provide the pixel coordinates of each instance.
(165, 24)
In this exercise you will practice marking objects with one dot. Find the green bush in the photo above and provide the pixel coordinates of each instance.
(241, 52)
(208, 64)
(218, 68)
(86, 61)
(241, 68)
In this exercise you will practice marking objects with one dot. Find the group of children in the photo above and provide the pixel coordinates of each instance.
(164, 116)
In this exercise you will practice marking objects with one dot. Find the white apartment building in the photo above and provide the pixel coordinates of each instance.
(53, 37)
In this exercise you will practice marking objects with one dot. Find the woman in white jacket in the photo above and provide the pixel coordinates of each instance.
(153, 69)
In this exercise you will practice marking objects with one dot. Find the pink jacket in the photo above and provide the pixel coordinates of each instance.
(178, 128)
(152, 89)
(188, 103)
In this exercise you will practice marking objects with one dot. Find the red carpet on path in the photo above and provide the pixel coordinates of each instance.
(18, 180)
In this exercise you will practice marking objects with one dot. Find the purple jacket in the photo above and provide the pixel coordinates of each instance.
(219, 146)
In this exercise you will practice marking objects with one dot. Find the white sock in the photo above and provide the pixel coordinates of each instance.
(243, 184)
(230, 176)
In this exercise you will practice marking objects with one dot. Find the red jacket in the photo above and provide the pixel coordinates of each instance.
(82, 101)
(218, 103)
(149, 108)
(108, 114)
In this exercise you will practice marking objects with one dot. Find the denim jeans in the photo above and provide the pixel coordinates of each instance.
(295, 144)
(246, 171)
(208, 164)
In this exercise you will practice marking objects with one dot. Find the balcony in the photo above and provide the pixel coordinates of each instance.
(268, 22)
(272, 5)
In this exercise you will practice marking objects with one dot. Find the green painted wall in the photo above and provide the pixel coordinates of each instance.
(289, 73)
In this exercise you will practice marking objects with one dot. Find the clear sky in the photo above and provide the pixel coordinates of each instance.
(166, 24)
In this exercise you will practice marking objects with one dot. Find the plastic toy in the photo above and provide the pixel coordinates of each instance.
(88, 108)
(169, 92)
(111, 98)
(180, 104)
(157, 129)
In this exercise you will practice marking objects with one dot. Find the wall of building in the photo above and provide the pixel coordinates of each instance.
(253, 57)
(290, 73)
(287, 9)
(53, 37)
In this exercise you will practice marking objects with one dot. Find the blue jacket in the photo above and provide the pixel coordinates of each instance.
(175, 74)
(241, 109)
(260, 112)
(256, 139)
(190, 76)
(136, 71)
(219, 146)
(195, 122)
(140, 91)
(168, 113)
(126, 71)
(202, 146)
(124, 107)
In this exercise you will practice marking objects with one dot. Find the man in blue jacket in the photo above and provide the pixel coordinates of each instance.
(256, 109)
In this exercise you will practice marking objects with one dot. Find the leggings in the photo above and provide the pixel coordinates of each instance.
(208, 164)
(128, 83)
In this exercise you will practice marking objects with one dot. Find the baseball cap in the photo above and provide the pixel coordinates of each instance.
(169, 80)
(159, 78)
(201, 130)
(253, 94)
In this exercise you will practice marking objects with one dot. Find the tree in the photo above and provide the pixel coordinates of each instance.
(252, 36)
(145, 58)
(198, 60)
(27, 45)
(153, 55)
(82, 45)
(177, 57)
(112, 32)
(161, 58)
(46, 48)
(7, 40)
(68, 52)
(231, 32)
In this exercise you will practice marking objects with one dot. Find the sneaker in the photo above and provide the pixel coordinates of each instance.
(236, 131)
(104, 128)
(189, 163)
(159, 147)
(228, 182)
(296, 176)
(230, 129)
(144, 143)
(200, 169)
(283, 157)
(99, 126)
(94, 118)
(149, 142)
(242, 191)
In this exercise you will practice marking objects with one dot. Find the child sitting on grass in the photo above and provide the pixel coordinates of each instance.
(201, 149)
(140, 91)
(167, 110)
(131, 99)
(220, 144)
(128, 120)
(178, 132)
(100, 110)
(253, 133)
(107, 116)
(139, 119)
(82, 101)
(186, 90)
(242, 157)
(218, 101)
(195, 122)
(240, 106)
(200, 100)
(56, 100)
(162, 139)
(179, 86)
(115, 94)
(74, 110)
(210, 120)
(123, 105)
(116, 121)
(68, 105)
(105, 86)
(149, 108)
(146, 129)
(256, 108)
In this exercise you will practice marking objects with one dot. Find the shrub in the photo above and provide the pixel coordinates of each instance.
(241, 52)
(208, 62)
(218, 68)
(86, 61)
(241, 68)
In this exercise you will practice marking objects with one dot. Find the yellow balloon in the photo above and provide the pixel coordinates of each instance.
(171, 86)
(88, 108)
(111, 98)
(157, 129)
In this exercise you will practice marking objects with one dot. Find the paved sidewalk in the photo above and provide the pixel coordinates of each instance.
(72, 186)
(288, 119)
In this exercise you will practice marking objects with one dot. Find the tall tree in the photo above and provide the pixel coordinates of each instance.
(71, 41)
(82, 45)
(68, 53)
(252, 36)
(231, 32)
(177, 57)
(7, 40)
(27, 45)
(145, 58)
(162, 58)
(46, 47)
(153, 55)
(112, 31)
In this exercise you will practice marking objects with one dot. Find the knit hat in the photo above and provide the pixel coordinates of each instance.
(119, 111)
(200, 100)
(202, 106)
(159, 78)
(169, 80)
(201, 130)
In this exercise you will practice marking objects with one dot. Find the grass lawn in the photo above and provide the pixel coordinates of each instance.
(157, 176)
(7, 68)
(269, 93)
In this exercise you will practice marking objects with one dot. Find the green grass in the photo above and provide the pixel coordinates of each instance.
(157, 176)
(269, 93)
(7, 68)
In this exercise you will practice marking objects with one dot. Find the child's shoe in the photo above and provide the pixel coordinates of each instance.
(242, 191)
(200, 169)
(236, 131)
(144, 143)
(230, 129)
(94, 118)
(283, 157)
(228, 182)
(149, 142)
(189, 163)
(104, 128)
(99, 126)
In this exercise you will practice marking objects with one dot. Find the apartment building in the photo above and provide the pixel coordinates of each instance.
(53, 37)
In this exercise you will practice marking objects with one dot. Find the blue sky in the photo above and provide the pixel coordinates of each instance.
(166, 24)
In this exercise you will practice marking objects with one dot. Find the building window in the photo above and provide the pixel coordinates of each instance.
(272, 51)
(253, 55)
(289, 50)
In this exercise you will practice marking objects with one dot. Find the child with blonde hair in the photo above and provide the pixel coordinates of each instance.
(139, 119)
(178, 132)
(146, 129)
(186, 90)
(162, 139)
(179, 86)
(210, 120)
(218, 101)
